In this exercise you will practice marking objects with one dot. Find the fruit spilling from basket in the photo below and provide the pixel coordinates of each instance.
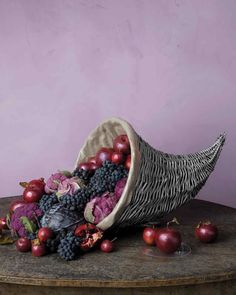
(61, 215)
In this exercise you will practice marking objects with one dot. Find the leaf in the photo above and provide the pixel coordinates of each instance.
(66, 173)
(23, 184)
(28, 224)
(4, 240)
(8, 220)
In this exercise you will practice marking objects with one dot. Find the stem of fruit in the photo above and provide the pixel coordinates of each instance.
(113, 240)
(174, 220)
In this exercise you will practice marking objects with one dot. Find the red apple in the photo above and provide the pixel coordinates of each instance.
(38, 249)
(45, 233)
(3, 223)
(168, 240)
(107, 246)
(92, 160)
(94, 166)
(16, 204)
(23, 245)
(104, 154)
(149, 236)
(206, 232)
(128, 162)
(32, 195)
(121, 144)
(117, 158)
(85, 166)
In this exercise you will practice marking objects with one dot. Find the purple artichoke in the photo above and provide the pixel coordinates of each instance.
(100, 207)
(54, 181)
(31, 211)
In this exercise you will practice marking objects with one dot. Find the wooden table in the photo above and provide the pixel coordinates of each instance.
(209, 269)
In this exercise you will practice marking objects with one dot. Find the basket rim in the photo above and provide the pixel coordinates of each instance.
(126, 196)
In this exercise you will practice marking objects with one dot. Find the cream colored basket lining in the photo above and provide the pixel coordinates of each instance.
(103, 136)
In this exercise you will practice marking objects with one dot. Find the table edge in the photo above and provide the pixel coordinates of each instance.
(120, 283)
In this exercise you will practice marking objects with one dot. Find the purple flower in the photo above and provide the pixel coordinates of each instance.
(68, 186)
(31, 211)
(53, 182)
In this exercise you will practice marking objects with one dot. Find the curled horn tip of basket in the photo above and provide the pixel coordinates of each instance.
(158, 182)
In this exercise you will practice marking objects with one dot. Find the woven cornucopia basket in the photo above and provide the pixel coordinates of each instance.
(158, 182)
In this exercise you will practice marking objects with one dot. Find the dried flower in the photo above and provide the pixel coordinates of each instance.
(54, 181)
(69, 186)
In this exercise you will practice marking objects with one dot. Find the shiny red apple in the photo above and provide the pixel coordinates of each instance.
(83, 229)
(117, 158)
(104, 154)
(121, 144)
(45, 233)
(206, 232)
(32, 195)
(128, 162)
(16, 204)
(149, 236)
(3, 223)
(38, 249)
(23, 245)
(168, 240)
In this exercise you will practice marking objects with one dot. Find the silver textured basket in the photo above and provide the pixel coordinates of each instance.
(158, 182)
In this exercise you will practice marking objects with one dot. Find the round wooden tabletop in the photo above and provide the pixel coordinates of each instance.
(129, 266)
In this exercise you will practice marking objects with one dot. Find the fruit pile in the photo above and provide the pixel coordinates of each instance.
(168, 239)
(61, 214)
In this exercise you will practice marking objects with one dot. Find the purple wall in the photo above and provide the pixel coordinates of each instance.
(168, 67)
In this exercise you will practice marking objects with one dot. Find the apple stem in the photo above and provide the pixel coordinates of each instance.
(174, 220)
(113, 240)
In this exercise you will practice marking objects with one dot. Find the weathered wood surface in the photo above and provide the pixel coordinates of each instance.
(128, 267)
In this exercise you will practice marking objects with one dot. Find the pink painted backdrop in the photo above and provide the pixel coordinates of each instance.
(168, 67)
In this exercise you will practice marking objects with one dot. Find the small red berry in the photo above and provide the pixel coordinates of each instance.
(107, 246)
